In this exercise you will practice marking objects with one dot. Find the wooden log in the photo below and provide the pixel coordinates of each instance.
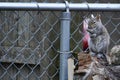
(102, 72)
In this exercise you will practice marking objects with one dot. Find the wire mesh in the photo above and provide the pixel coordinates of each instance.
(82, 61)
(30, 40)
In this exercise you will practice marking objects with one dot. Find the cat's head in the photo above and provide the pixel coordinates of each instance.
(94, 21)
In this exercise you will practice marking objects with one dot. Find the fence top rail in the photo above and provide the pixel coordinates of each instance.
(60, 6)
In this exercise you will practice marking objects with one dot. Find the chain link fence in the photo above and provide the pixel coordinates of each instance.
(30, 40)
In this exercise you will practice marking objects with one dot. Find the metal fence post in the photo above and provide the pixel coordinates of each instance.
(64, 45)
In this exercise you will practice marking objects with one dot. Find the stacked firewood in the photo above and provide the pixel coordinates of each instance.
(98, 71)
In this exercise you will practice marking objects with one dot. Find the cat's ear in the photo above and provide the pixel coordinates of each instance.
(98, 17)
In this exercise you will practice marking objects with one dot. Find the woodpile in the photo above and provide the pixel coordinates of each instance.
(98, 71)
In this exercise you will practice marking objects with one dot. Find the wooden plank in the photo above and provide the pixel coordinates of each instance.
(17, 56)
(70, 68)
